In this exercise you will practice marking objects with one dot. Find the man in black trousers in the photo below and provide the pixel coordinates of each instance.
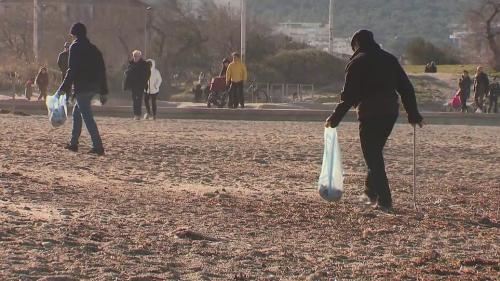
(136, 80)
(373, 77)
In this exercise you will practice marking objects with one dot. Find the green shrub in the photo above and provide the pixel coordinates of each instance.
(306, 66)
(420, 51)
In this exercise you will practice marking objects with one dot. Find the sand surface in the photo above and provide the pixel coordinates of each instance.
(214, 200)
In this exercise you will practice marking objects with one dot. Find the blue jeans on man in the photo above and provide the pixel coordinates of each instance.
(83, 112)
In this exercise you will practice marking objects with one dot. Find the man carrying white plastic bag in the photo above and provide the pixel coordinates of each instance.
(58, 112)
(373, 80)
(331, 180)
(87, 76)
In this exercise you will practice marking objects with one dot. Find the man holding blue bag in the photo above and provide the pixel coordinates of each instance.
(373, 77)
(87, 75)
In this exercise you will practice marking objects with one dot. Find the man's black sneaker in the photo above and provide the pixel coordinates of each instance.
(384, 209)
(99, 152)
(368, 200)
(71, 147)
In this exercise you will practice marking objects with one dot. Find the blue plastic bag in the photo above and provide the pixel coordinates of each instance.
(331, 180)
(58, 112)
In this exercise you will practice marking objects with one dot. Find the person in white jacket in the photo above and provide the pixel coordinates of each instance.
(154, 84)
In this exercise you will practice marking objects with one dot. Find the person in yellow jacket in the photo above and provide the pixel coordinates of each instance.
(236, 75)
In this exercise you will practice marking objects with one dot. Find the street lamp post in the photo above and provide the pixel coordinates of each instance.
(147, 30)
(36, 29)
(330, 23)
(243, 29)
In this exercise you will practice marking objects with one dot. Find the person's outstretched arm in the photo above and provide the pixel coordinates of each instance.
(228, 74)
(350, 94)
(60, 62)
(148, 76)
(74, 62)
(159, 80)
(407, 93)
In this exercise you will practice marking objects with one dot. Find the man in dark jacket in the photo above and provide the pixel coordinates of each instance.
(136, 80)
(481, 87)
(373, 76)
(464, 84)
(63, 59)
(87, 75)
(493, 96)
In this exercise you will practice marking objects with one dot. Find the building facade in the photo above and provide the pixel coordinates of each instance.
(314, 34)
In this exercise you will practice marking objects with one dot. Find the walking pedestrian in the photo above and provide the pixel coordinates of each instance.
(481, 87)
(87, 75)
(493, 96)
(154, 84)
(464, 84)
(236, 75)
(28, 90)
(136, 80)
(373, 76)
(63, 59)
(42, 82)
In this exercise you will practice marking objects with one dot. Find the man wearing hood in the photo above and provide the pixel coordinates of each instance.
(154, 84)
(136, 80)
(87, 75)
(373, 77)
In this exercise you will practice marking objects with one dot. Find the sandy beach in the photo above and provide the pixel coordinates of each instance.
(237, 200)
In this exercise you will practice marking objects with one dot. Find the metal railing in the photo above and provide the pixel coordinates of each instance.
(280, 92)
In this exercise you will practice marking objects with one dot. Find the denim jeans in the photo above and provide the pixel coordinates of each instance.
(83, 112)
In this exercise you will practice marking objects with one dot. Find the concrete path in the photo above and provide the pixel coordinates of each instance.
(266, 112)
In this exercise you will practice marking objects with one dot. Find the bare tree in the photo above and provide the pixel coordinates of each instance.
(176, 39)
(16, 35)
(486, 22)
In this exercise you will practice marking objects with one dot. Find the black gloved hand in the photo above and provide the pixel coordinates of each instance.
(331, 122)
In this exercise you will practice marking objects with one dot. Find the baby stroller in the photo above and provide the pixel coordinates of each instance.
(218, 92)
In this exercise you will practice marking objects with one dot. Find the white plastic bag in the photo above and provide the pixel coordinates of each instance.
(331, 180)
(58, 112)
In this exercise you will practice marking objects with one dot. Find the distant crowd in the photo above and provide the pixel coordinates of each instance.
(144, 80)
(484, 92)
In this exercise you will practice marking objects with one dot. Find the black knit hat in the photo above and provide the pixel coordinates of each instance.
(78, 29)
(364, 39)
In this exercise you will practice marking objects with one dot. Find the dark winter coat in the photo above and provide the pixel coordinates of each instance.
(86, 69)
(137, 75)
(373, 79)
(494, 90)
(481, 84)
(62, 62)
(42, 80)
(464, 84)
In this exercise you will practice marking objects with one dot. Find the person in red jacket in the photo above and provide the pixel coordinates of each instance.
(374, 78)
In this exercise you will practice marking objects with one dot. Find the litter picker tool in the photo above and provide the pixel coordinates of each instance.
(415, 167)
